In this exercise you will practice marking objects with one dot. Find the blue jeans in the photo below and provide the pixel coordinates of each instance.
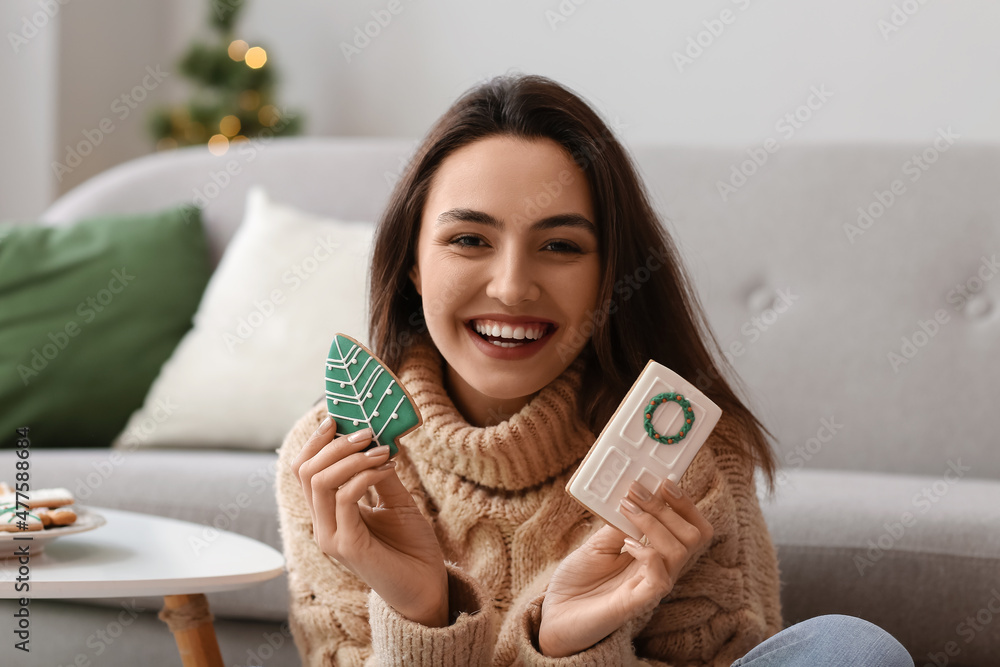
(833, 640)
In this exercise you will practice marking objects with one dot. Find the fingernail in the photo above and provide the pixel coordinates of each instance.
(387, 465)
(632, 542)
(358, 436)
(377, 451)
(672, 488)
(325, 425)
(639, 491)
(630, 507)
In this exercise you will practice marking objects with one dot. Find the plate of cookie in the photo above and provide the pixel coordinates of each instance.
(50, 514)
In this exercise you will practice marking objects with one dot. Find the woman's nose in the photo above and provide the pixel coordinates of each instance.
(512, 280)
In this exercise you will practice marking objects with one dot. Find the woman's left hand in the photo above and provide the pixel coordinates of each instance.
(600, 586)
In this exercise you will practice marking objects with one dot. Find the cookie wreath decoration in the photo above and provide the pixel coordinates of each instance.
(659, 400)
(361, 392)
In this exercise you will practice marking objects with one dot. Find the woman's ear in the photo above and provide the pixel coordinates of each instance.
(415, 277)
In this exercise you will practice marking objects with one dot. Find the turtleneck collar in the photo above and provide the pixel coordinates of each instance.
(539, 442)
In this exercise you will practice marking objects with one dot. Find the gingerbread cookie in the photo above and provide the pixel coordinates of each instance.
(55, 518)
(10, 520)
(654, 434)
(57, 497)
(362, 392)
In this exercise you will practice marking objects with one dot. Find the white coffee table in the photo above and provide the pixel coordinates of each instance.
(140, 554)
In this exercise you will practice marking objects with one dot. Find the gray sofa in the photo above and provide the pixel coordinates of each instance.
(852, 287)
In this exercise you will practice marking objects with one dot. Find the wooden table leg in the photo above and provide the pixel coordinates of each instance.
(188, 618)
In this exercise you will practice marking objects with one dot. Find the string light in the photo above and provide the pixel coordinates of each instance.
(238, 49)
(229, 125)
(218, 144)
(255, 57)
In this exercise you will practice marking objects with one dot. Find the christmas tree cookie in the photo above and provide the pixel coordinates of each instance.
(361, 392)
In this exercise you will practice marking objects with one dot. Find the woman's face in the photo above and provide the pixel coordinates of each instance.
(507, 253)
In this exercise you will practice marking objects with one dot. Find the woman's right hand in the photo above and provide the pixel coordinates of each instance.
(391, 547)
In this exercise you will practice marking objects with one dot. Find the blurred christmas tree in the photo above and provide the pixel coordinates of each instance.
(233, 100)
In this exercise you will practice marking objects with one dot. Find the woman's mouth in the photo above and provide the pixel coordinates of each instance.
(509, 341)
(510, 335)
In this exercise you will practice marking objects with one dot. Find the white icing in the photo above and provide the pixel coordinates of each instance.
(369, 381)
(624, 452)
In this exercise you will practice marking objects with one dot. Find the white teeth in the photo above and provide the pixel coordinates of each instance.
(518, 332)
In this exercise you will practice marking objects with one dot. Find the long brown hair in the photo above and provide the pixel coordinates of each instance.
(647, 308)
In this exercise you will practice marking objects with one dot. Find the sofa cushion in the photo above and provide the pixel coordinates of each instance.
(255, 360)
(918, 556)
(88, 314)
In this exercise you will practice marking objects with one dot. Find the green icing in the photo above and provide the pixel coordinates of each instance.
(656, 402)
(362, 392)
(12, 511)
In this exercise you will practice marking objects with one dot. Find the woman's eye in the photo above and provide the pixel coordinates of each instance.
(466, 241)
(563, 246)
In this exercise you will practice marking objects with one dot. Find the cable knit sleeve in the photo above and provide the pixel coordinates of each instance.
(724, 603)
(469, 640)
(329, 607)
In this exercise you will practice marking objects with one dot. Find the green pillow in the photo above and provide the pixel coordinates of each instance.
(88, 314)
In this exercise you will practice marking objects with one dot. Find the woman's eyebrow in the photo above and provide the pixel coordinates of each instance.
(551, 222)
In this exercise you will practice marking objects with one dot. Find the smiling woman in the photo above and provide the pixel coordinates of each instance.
(497, 295)
(539, 278)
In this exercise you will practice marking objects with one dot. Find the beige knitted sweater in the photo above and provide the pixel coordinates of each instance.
(496, 498)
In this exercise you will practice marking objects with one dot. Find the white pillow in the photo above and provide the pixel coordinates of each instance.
(254, 360)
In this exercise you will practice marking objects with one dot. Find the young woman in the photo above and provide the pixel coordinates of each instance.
(497, 296)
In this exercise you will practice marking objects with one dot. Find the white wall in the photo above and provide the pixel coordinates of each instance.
(27, 114)
(939, 68)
